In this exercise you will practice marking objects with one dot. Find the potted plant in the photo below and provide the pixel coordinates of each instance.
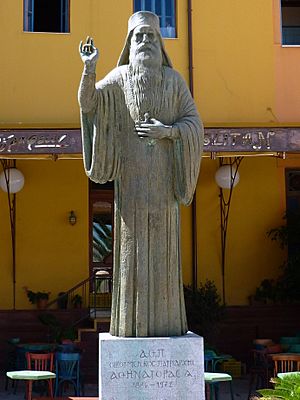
(77, 301)
(58, 332)
(38, 298)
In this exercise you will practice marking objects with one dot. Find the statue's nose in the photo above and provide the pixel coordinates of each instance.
(146, 38)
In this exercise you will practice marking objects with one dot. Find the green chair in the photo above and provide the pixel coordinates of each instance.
(212, 360)
(212, 380)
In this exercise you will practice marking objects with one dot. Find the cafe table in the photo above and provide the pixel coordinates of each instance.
(36, 347)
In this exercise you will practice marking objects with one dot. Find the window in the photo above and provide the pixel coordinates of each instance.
(46, 16)
(290, 21)
(101, 227)
(165, 9)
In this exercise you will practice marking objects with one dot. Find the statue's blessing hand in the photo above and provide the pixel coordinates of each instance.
(88, 52)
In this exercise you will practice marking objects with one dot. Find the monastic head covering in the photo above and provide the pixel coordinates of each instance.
(142, 18)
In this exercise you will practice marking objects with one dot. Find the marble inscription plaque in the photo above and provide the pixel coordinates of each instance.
(161, 368)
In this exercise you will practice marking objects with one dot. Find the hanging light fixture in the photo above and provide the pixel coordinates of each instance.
(227, 176)
(12, 180)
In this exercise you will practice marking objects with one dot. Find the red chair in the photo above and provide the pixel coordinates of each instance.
(40, 362)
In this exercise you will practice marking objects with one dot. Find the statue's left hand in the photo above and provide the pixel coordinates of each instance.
(154, 129)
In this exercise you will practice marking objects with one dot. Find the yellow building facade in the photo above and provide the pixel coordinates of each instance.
(243, 78)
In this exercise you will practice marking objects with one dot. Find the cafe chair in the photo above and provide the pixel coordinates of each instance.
(11, 362)
(212, 381)
(67, 367)
(286, 362)
(212, 360)
(41, 363)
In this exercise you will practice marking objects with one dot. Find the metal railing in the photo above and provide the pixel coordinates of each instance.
(92, 294)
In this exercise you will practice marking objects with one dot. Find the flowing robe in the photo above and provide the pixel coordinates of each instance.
(151, 178)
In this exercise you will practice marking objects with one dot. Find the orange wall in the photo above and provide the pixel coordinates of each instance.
(51, 255)
(257, 205)
(234, 61)
(40, 78)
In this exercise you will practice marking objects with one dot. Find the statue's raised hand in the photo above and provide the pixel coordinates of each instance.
(89, 54)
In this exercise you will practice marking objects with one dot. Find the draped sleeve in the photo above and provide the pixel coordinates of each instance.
(188, 146)
(100, 127)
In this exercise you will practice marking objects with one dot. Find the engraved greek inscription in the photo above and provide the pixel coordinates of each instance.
(143, 354)
(165, 384)
(188, 374)
(152, 353)
(113, 376)
(147, 374)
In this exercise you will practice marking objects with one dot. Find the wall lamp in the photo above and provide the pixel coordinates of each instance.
(227, 176)
(11, 180)
(72, 218)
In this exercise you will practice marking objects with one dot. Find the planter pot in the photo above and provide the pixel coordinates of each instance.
(42, 303)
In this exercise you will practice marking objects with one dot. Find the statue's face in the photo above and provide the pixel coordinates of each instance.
(145, 45)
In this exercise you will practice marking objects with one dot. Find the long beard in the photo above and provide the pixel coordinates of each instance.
(146, 87)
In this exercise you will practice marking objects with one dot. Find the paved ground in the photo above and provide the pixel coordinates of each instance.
(240, 389)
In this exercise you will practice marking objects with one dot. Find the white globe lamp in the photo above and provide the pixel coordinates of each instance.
(227, 176)
(15, 180)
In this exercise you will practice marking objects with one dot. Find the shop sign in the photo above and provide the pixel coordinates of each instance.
(252, 139)
(40, 141)
(215, 140)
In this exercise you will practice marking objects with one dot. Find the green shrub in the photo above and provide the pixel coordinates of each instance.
(204, 308)
(287, 387)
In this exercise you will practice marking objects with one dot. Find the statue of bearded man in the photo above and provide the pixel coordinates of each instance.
(140, 128)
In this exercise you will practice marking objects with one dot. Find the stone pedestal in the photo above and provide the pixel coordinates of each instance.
(160, 368)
